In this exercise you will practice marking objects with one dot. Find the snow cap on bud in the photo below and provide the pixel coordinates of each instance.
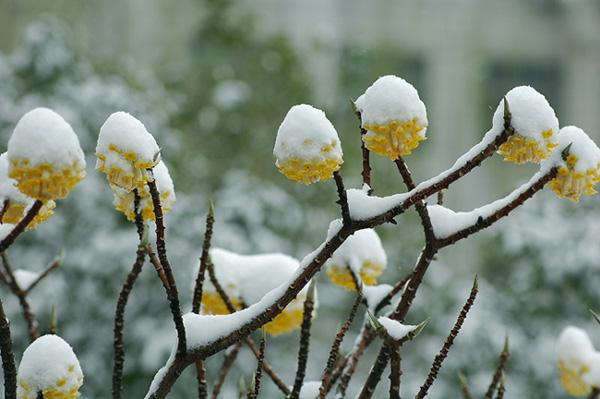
(534, 122)
(125, 150)
(49, 366)
(44, 156)
(124, 200)
(307, 147)
(363, 254)
(578, 362)
(393, 116)
(578, 158)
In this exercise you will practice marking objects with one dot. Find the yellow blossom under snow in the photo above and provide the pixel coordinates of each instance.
(535, 126)
(363, 255)
(49, 366)
(124, 200)
(578, 362)
(394, 117)
(580, 170)
(125, 150)
(44, 156)
(307, 148)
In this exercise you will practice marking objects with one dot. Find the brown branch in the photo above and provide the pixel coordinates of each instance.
(158, 267)
(388, 298)
(266, 367)
(335, 348)
(595, 394)
(314, 264)
(5, 207)
(504, 356)
(309, 305)
(119, 352)
(8, 358)
(172, 293)
(201, 377)
(32, 324)
(395, 371)
(197, 299)
(483, 223)
(20, 227)
(259, 367)
(366, 170)
(367, 336)
(502, 387)
(343, 199)
(439, 359)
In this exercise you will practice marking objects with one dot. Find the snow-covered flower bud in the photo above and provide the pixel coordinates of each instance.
(44, 156)
(125, 151)
(307, 147)
(15, 204)
(49, 366)
(393, 116)
(535, 125)
(578, 362)
(246, 279)
(363, 254)
(578, 158)
(124, 199)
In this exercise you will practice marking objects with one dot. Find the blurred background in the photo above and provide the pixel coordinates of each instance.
(212, 81)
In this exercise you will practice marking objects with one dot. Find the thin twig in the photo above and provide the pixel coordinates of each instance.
(119, 352)
(201, 377)
(343, 199)
(8, 358)
(595, 394)
(172, 294)
(388, 298)
(227, 363)
(395, 370)
(266, 367)
(439, 359)
(335, 348)
(504, 356)
(366, 165)
(56, 262)
(367, 336)
(502, 387)
(32, 324)
(309, 305)
(259, 366)
(197, 299)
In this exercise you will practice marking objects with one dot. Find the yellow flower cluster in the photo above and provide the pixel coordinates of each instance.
(534, 122)
(578, 362)
(15, 211)
(580, 169)
(59, 391)
(394, 139)
(124, 200)
(44, 156)
(307, 148)
(126, 151)
(361, 254)
(520, 149)
(368, 273)
(394, 117)
(311, 170)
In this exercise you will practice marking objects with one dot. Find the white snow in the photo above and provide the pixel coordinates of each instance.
(43, 137)
(361, 247)
(49, 363)
(531, 114)
(389, 99)
(446, 222)
(582, 146)
(128, 134)
(251, 275)
(374, 294)
(394, 328)
(5, 230)
(307, 134)
(363, 206)
(8, 188)
(310, 390)
(25, 278)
